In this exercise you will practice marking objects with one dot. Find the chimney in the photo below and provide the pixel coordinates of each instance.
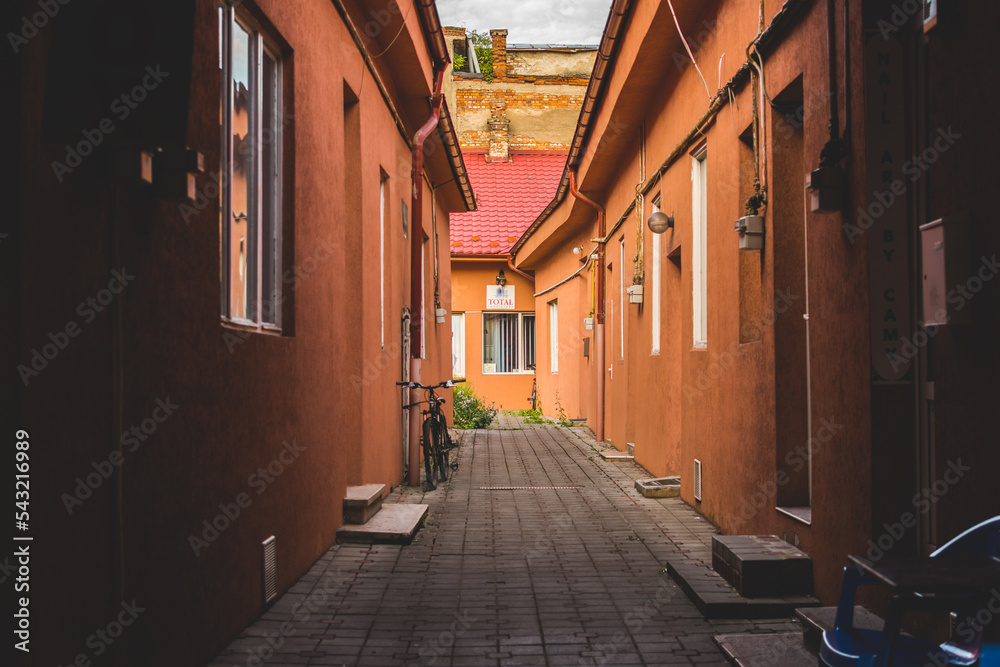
(499, 38)
(498, 126)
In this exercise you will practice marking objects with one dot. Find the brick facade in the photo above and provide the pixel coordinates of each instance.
(486, 112)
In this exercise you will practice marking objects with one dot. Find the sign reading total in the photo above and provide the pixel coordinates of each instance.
(499, 297)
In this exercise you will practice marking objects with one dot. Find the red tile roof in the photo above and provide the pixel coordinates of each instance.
(510, 196)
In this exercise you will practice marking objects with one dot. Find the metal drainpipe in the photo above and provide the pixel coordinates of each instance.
(416, 252)
(510, 264)
(599, 314)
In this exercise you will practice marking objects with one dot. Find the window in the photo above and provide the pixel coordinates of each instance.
(508, 342)
(458, 345)
(699, 247)
(251, 172)
(554, 335)
(621, 301)
(383, 179)
(655, 296)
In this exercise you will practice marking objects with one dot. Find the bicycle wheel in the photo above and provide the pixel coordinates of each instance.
(428, 446)
(439, 453)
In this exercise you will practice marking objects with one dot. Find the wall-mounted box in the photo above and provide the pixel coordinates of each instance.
(944, 264)
(751, 229)
(634, 294)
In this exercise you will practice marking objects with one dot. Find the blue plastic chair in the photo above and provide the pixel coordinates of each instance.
(847, 646)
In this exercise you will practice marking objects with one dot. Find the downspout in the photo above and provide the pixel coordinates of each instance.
(510, 264)
(599, 312)
(416, 265)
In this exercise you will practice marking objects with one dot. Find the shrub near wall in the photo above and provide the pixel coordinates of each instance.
(470, 410)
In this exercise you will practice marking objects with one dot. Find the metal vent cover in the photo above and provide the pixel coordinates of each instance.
(270, 562)
(697, 479)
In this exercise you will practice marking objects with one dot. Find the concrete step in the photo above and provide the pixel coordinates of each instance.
(396, 523)
(781, 649)
(817, 620)
(762, 565)
(615, 455)
(716, 598)
(362, 502)
(661, 487)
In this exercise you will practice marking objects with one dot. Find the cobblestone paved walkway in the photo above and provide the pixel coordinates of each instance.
(566, 572)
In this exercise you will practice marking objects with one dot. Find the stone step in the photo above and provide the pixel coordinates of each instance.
(661, 487)
(817, 620)
(762, 565)
(781, 649)
(615, 455)
(396, 523)
(716, 598)
(362, 502)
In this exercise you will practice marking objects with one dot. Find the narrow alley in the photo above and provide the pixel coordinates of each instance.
(536, 552)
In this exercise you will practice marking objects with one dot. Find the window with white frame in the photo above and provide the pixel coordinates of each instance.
(699, 247)
(508, 342)
(655, 296)
(554, 335)
(458, 345)
(621, 302)
(251, 125)
(382, 202)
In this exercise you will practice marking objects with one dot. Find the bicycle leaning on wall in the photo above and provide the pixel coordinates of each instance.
(435, 440)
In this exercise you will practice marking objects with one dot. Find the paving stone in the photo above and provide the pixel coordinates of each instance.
(534, 576)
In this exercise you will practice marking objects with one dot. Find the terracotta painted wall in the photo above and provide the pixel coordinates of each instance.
(737, 404)
(242, 402)
(470, 278)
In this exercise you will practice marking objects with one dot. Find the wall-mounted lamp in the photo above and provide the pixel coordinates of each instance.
(660, 222)
(501, 278)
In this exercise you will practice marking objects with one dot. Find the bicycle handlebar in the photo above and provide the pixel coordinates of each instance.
(416, 385)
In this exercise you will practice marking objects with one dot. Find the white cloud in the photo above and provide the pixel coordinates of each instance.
(531, 21)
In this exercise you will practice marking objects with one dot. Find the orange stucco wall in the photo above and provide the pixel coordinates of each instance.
(325, 384)
(469, 280)
(735, 405)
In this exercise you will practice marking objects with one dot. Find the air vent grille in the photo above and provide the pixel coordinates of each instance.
(270, 560)
(697, 479)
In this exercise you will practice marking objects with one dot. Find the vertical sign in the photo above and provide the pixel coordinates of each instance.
(884, 215)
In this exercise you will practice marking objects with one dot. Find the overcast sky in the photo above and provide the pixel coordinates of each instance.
(531, 21)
